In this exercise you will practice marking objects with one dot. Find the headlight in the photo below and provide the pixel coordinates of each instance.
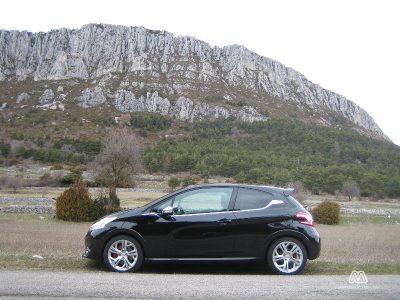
(103, 222)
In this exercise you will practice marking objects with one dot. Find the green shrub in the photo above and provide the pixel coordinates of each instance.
(5, 149)
(97, 207)
(73, 204)
(114, 204)
(174, 182)
(74, 175)
(327, 212)
(57, 166)
(150, 121)
(188, 181)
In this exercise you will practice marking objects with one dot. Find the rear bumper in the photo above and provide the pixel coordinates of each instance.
(314, 245)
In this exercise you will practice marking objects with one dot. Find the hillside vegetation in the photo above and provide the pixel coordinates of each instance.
(279, 152)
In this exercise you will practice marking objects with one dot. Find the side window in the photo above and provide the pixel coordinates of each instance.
(202, 200)
(252, 199)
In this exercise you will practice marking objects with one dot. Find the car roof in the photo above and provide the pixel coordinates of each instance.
(267, 188)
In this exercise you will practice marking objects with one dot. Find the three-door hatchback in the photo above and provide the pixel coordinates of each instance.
(211, 222)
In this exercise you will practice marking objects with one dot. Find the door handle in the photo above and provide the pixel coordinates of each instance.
(224, 221)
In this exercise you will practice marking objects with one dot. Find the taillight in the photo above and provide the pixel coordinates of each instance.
(305, 218)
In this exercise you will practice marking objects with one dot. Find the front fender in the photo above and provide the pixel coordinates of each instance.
(127, 228)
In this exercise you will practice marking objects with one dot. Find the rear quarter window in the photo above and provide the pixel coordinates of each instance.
(252, 199)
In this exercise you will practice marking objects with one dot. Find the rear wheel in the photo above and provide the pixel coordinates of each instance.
(123, 254)
(287, 256)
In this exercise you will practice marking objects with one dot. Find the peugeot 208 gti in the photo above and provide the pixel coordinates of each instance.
(212, 222)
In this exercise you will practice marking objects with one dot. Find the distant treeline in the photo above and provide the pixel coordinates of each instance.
(282, 151)
(67, 151)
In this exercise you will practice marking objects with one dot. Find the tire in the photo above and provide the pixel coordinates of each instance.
(123, 254)
(286, 256)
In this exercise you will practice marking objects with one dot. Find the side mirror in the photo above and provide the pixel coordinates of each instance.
(167, 211)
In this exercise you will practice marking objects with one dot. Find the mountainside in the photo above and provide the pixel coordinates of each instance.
(133, 69)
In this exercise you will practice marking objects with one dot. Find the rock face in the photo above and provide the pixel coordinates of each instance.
(125, 101)
(47, 96)
(181, 66)
(184, 108)
(91, 97)
(23, 97)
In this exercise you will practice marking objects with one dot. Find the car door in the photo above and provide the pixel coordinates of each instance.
(258, 215)
(200, 227)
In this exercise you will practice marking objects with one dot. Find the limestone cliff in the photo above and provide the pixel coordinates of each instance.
(137, 69)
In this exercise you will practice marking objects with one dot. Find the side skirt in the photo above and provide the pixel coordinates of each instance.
(210, 259)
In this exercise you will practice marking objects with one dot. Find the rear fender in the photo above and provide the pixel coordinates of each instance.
(286, 233)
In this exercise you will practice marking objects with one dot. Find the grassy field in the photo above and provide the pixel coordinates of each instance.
(368, 243)
(357, 245)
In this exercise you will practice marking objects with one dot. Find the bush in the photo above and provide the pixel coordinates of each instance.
(46, 180)
(173, 183)
(57, 166)
(74, 203)
(114, 204)
(97, 208)
(150, 121)
(188, 181)
(74, 175)
(327, 212)
(11, 182)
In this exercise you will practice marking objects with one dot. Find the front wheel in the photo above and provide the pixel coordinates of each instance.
(123, 254)
(287, 256)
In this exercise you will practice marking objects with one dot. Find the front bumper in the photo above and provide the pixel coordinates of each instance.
(92, 247)
(95, 241)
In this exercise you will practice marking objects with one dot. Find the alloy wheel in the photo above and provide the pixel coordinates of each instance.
(288, 257)
(122, 255)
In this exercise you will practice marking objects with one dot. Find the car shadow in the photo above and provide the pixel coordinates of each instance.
(206, 268)
(193, 268)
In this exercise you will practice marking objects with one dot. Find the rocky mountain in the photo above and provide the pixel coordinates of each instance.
(133, 69)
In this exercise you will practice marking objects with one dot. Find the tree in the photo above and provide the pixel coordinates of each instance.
(350, 189)
(13, 183)
(5, 149)
(173, 183)
(117, 161)
(299, 192)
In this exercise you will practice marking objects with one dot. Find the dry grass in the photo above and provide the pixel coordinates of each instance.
(357, 243)
(47, 238)
(360, 243)
(135, 199)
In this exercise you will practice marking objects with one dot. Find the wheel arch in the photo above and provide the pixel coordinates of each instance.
(129, 232)
(287, 233)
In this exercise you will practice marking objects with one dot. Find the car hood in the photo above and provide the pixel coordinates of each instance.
(129, 212)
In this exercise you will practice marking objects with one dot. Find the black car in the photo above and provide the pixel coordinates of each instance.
(211, 222)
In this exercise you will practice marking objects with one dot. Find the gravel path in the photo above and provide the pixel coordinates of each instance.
(26, 201)
(27, 205)
(371, 211)
(104, 285)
